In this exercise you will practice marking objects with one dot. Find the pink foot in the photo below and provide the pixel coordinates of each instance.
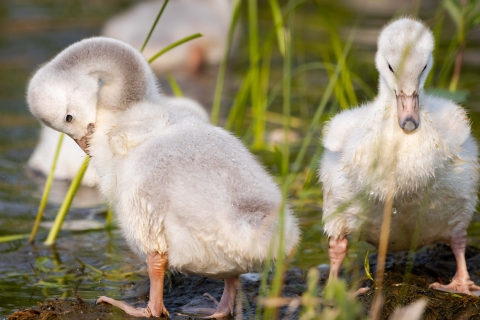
(361, 291)
(461, 282)
(224, 307)
(136, 312)
(457, 286)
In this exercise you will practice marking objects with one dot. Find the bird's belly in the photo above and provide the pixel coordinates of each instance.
(207, 259)
(412, 226)
(214, 273)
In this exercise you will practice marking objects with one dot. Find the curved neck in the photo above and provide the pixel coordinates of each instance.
(122, 74)
(384, 91)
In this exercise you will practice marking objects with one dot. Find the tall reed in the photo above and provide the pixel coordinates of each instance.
(46, 190)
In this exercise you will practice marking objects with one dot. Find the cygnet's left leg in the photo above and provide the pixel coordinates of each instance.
(224, 307)
(157, 265)
(337, 250)
(461, 282)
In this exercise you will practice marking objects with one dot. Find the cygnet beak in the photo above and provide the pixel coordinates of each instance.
(83, 143)
(408, 112)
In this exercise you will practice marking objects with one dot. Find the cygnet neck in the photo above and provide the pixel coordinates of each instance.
(385, 93)
(124, 77)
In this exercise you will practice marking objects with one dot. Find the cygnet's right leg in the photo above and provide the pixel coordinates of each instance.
(157, 265)
(337, 250)
(461, 282)
(224, 307)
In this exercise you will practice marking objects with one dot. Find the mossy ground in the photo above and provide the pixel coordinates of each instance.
(431, 264)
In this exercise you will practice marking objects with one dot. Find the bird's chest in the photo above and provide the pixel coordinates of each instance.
(417, 220)
(386, 159)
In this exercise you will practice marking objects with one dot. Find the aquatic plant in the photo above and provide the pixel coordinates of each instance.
(466, 16)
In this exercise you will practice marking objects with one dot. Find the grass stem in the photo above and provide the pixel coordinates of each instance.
(173, 45)
(217, 100)
(154, 25)
(46, 190)
(67, 201)
(177, 92)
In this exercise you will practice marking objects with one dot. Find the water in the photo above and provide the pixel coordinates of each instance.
(34, 31)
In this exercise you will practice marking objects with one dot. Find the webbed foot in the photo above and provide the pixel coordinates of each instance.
(224, 307)
(361, 291)
(136, 312)
(458, 286)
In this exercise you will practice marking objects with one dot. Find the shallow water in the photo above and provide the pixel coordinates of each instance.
(98, 262)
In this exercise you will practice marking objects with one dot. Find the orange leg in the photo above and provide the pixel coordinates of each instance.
(157, 265)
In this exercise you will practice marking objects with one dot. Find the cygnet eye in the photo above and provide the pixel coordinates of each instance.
(390, 67)
(69, 118)
(424, 68)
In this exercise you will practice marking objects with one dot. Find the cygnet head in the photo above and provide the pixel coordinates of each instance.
(94, 73)
(404, 59)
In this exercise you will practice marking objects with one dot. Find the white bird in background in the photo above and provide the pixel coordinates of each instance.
(187, 194)
(180, 19)
(417, 145)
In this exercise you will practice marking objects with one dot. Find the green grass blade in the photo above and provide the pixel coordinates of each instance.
(259, 113)
(366, 266)
(109, 219)
(263, 290)
(253, 47)
(62, 212)
(217, 100)
(345, 85)
(173, 45)
(46, 190)
(154, 25)
(278, 19)
(85, 265)
(437, 29)
(448, 61)
(177, 92)
(235, 116)
(13, 237)
(318, 113)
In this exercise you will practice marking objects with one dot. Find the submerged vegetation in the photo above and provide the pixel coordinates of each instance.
(291, 78)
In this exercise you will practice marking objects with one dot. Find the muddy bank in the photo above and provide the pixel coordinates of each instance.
(180, 291)
(441, 305)
(433, 263)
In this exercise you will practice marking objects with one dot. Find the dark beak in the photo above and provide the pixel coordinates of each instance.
(83, 143)
(408, 112)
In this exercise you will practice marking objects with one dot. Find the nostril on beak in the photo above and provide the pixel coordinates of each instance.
(404, 101)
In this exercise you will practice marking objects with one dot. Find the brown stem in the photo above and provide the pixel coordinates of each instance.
(376, 309)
